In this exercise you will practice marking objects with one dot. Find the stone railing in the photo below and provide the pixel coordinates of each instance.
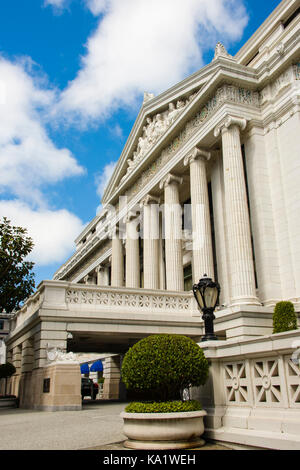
(253, 393)
(124, 299)
(60, 295)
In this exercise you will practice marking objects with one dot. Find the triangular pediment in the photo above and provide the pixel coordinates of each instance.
(157, 115)
(161, 118)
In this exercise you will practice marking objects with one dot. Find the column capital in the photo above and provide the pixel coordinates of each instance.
(169, 179)
(149, 199)
(130, 216)
(196, 154)
(99, 268)
(230, 121)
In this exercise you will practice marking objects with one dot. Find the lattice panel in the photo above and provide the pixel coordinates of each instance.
(236, 383)
(267, 382)
(293, 381)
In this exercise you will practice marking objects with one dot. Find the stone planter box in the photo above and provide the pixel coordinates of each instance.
(8, 403)
(163, 430)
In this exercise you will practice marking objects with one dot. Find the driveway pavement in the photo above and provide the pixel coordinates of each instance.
(97, 424)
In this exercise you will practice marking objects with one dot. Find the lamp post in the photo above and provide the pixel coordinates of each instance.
(207, 293)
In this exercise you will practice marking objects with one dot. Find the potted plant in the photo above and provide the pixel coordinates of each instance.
(6, 371)
(156, 371)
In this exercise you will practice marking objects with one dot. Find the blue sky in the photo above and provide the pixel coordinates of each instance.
(72, 77)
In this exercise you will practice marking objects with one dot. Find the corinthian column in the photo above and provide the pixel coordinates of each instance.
(241, 267)
(151, 242)
(202, 241)
(132, 251)
(173, 233)
(117, 262)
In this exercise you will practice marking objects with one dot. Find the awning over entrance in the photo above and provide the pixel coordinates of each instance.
(97, 366)
(84, 368)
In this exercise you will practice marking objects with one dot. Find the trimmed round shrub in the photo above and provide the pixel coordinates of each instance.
(159, 367)
(175, 406)
(284, 317)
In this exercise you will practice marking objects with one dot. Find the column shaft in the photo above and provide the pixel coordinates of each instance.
(117, 262)
(102, 276)
(202, 239)
(151, 243)
(241, 267)
(132, 254)
(173, 234)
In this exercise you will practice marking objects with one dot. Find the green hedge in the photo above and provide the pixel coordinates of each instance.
(163, 407)
(159, 367)
(284, 317)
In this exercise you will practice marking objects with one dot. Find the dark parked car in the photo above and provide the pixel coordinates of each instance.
(88, 388)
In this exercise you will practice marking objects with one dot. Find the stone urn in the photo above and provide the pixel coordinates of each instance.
(156, 431)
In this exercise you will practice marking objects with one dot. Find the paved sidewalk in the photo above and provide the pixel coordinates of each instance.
(97, 427)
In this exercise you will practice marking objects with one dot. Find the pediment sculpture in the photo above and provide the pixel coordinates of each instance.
(153, 129)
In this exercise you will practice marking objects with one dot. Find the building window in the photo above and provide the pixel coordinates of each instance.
(1, 324)
(188, 278)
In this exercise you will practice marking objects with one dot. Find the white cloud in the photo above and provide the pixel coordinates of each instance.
(146, 45)
(55, 3)
(103, 178)
(53, 232)
(28, 157)
(30, 161)
(97, 6)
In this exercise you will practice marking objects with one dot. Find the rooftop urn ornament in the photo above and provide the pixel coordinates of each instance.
(147, 96)
(220, 51)
(207, 294)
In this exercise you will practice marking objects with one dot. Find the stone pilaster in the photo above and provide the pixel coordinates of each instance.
(241, 267)
(112, 376)
(151, 242)
(173, 232)
(27, 361)
(132, 252)
(17, 358)
(117, 262)
(202, 240)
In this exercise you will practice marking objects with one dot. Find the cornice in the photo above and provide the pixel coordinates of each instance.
(280, 14)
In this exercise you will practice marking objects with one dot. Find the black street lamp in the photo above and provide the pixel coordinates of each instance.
(207, 293)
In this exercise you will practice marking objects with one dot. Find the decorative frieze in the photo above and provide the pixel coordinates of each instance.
(282, 81)
(225, 93)
(152, 302)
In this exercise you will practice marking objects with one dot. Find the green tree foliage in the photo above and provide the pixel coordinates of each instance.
(16, 276)
(7, 370)
(284, 317)
(160, 366)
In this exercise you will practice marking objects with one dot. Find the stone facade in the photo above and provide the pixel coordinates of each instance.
(207, 183)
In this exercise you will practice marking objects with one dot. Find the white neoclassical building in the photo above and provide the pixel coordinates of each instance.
(208, 183)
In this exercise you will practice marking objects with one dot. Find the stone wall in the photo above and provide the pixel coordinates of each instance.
(252, 396)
